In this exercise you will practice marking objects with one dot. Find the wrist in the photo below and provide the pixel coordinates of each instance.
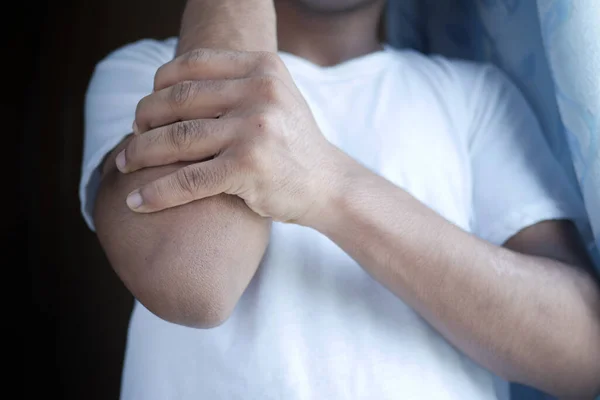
(334, 190)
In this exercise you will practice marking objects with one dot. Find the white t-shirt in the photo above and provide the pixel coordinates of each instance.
(312, 324)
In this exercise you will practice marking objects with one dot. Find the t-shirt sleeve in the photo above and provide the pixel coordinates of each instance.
(516, 180)
(118, 83)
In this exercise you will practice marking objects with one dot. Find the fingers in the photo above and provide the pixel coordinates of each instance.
(189, 100)
(206, 84)
(194, 140)
(194, 182)
(208, 64)
(181, 121)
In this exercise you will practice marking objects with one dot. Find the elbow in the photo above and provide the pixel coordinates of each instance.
(587, 388)
(174, 302)
(185, 264)
(570, 369)
(580, 375)
(207, 316)
(586, 381)
(579, 379)
(179, 294)
(194, 311)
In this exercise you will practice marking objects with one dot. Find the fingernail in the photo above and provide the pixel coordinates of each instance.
(135, 129)
(134, 200)
(121, 161)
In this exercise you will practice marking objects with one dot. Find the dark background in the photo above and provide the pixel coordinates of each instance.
(79, 310)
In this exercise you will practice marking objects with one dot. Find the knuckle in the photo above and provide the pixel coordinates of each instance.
(131, 150)
(158, 77)
(250, 159)
(260, 123)
(157, 194)
(180, 136)
(267, 87)
(181, 93)
(213, 86)
(140, 109)
(269, 63)
(255, 154)
(189, 180)
(245, 162)
(191, 59)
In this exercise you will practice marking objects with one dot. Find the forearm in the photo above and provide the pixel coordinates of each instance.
(526, 318)
(247, 25)
(189, 264)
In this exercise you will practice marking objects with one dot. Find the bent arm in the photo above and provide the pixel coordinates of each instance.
(533, 319)
(191, 264)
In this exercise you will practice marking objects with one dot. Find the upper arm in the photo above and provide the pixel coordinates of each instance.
(555, 239)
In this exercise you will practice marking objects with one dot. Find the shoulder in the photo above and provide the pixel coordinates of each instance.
(459, 76)
(146, 51)
(461, 89)
(130, 68)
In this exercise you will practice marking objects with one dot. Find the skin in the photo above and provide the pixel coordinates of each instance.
(189, 265)
(228, 24)
(499, 305)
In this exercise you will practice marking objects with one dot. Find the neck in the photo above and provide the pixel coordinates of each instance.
(328, 39)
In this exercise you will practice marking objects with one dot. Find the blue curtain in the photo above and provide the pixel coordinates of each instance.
(571, 34)
(551, 49)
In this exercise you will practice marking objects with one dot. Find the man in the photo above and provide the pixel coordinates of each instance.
(419, 231)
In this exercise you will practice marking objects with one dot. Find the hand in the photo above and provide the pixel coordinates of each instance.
(240, 115)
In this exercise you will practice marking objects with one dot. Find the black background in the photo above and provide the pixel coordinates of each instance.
(74, 332)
